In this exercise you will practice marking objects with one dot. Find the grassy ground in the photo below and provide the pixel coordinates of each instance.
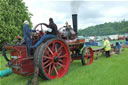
(104, 71)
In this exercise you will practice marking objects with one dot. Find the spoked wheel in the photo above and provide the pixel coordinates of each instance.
(87, 56)
(54, 59)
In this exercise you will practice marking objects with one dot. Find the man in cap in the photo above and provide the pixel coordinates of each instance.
(67, 32)
(27, 36)
(51, 33)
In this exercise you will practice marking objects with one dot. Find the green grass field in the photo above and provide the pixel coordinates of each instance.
(104, 71)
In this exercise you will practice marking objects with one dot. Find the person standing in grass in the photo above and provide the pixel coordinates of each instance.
(107, 47)
(118, 47)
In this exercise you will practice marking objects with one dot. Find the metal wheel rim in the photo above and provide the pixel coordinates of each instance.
(88, 56)
(55, 67)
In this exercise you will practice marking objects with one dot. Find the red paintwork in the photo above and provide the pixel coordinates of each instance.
(40, 34)
(75, 44)
(24, 61)
(90, 60)
(37, 37)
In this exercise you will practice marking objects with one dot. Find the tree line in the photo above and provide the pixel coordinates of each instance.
(105, 29)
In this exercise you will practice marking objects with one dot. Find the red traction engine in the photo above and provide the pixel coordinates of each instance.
(55, 55)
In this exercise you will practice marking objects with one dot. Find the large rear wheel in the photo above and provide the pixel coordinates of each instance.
(54, 59)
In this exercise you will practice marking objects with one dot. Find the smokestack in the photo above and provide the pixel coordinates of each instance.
(74, 21)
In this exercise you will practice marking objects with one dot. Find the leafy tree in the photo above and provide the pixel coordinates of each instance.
(12, 15)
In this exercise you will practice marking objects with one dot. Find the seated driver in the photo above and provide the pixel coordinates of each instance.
(49, 34)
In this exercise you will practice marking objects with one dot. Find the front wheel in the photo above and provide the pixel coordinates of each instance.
(87, 56)
(54, 59)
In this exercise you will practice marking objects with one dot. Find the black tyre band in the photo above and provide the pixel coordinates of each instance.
(4, 54)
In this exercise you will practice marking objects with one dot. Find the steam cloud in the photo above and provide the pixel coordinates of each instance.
(75, 5)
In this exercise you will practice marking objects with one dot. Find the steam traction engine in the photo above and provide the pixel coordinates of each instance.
(54, 55)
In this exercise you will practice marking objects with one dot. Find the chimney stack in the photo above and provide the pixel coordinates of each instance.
(74, 21)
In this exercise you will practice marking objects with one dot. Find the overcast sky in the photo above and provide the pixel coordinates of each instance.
(90, 12)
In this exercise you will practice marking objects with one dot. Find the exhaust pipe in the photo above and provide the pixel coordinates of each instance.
(74, 22)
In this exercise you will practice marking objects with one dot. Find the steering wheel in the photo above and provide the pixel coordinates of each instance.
(39, 32)
(40, 25)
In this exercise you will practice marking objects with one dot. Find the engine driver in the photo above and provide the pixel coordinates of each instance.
(51, 33)
(67, 32)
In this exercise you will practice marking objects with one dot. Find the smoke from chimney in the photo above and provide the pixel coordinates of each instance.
(75, 5)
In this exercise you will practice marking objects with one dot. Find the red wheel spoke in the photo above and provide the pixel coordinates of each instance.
(55, 69)
(49, 70)
(63, 56)
(48, 65)
(55, 48)
(47, 53)
(60, 60)
(59, 52)
(50, 50)
(60, 64)
(46, 62)
(46, 57)
(86, 55)
(59, 49)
